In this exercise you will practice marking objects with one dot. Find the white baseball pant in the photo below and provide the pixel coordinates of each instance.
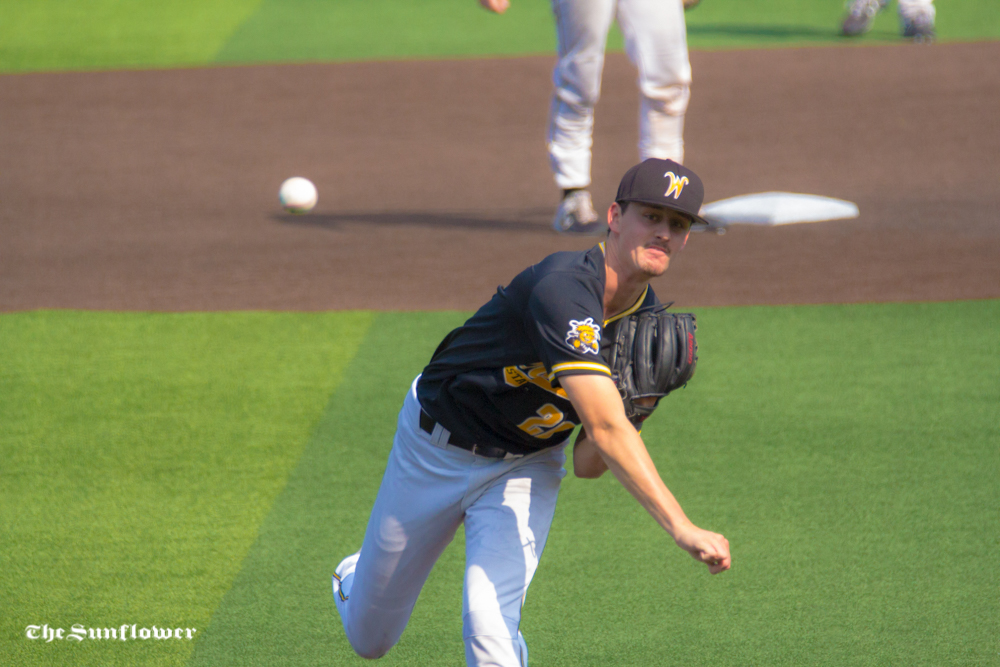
(655, 41)
(911, 8)
(428, 490)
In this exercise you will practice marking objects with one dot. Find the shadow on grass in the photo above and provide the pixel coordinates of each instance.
(534, 221)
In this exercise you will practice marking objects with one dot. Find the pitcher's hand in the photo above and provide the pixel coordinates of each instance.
(498, 6)
(706, 547)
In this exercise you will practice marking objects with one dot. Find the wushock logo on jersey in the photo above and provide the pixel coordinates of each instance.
(584, 336)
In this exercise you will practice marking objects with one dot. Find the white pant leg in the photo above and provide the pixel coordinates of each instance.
(505, 531)
(582, 32)
(656, 42)
(416, 513)
(911, 8)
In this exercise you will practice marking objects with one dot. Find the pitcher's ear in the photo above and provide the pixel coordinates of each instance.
(615, 213)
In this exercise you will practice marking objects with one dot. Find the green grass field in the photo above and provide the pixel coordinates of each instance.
(38, 35)
(209, 471)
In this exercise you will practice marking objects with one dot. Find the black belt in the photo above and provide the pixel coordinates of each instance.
(427, 425)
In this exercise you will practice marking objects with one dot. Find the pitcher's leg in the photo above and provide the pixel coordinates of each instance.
(505, 532)
(415, 516)
(656, 41)
(582, 30)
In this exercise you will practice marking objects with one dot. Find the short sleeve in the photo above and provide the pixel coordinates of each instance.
(565, 322)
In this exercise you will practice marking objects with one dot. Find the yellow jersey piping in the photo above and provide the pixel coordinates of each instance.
(632, 309)
(578, 366)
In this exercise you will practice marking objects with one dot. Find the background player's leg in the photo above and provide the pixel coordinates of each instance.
(416, 513)
(917, 19)
(505, 532)
(582, 31)
(908, 6)
(656, 42)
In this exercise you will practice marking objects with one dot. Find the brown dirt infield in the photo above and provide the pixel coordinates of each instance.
(157, 190)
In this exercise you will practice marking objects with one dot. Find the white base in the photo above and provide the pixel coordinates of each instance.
(777, 208)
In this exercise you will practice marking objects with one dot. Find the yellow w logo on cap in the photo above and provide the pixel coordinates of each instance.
(676, 184)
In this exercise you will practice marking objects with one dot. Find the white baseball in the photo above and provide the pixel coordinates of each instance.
(297, 195)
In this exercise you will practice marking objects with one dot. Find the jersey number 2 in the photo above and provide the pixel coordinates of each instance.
(550, 420)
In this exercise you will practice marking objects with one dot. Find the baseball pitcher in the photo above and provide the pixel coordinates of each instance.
(577, 339)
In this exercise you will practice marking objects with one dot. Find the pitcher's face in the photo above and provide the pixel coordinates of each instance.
(647, 236)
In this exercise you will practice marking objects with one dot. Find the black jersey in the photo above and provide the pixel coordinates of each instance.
(495, 380)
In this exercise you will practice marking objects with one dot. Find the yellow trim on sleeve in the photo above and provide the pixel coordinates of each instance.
(578, 366)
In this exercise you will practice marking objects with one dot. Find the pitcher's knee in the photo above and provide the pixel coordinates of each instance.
(370, 648)
(371, 640)
(670, 100)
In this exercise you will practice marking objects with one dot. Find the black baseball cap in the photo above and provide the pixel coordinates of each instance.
(664, 183)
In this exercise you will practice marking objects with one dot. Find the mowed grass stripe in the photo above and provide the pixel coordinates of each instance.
(280, 608)
(46, 35)
(849, 453)
(140, 453)
(39, 35)
(352, 30)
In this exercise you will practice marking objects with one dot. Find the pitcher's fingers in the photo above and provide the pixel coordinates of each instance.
(714, 551)
(722, 546)
(715, 569)
(498, 6)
